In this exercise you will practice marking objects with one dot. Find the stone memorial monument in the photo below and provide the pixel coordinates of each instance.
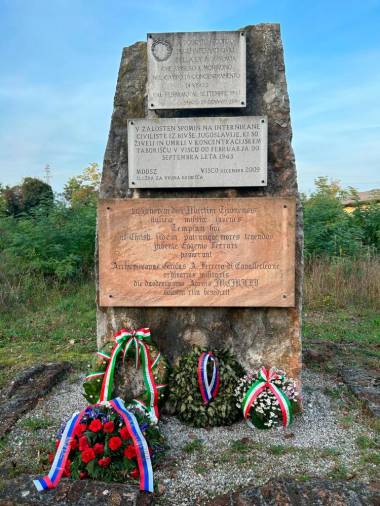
(199, 220)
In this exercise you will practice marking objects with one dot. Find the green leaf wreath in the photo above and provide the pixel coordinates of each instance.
(185, 396)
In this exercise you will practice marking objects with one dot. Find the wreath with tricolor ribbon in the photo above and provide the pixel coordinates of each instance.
(130, 348)
(202, 388)
(267, 398)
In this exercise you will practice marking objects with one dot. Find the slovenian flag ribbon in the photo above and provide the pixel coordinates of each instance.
(143, 456)
(209, 390)
(62, 454)
(264, 381)
(125, 340)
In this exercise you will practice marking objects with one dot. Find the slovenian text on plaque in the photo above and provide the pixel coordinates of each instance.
(197, 152)
(197, 252)
(196, 70)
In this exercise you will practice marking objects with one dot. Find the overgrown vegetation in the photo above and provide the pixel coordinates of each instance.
(342, 263)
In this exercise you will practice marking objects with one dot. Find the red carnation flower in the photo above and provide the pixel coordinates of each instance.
(124, 433)
(114, 443)
(135, 473)
(83, 475)
(109, 427)
(104, 462)
(98, 448)
(87, 455)
(83, 443)
(66, 472)
(57, 441)
(130, 452)
(74, 443)
(80, 428)
(95, 425)
(51, 458)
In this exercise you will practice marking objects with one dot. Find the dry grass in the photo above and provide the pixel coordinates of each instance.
(342, 282)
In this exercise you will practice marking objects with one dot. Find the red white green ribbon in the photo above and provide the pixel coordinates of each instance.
(264, 381)
(126, 340)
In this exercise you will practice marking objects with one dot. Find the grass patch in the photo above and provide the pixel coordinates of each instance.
(196, 445)
(36, 423)
(240, 446)
(347, 325)
(339, 472)
(57, 324)
(279, 449)
(329, 452)
(366, 442)
(371, 458)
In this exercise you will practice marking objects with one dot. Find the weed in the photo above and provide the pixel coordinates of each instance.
(365, 442)
(371, 458)
(196, 445)
(339, 472)
(200, 469)
(279, 449)
(240, 446)
(329, 452)
(36, 423)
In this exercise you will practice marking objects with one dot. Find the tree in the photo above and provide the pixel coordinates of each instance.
(32, 193)
(329, 231)
(83, 189)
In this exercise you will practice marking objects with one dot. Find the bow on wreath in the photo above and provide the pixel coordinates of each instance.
(209, 390)
(126, 340)
(265, 380)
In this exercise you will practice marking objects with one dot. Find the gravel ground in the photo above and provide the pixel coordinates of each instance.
(203, 463)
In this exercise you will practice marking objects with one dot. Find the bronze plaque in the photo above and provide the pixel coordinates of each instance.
(197, 252)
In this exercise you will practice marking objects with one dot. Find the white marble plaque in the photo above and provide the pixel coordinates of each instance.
(196, 70)
(197, 152)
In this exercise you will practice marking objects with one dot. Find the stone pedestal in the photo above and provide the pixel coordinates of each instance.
(269, 336)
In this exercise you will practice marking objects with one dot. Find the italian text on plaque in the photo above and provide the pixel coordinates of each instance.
(196, 70)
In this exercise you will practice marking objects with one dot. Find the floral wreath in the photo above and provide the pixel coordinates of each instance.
(267, 398)
(202, 388)
(128, 345)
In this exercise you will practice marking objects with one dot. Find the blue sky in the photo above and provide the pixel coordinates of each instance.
(60, 58)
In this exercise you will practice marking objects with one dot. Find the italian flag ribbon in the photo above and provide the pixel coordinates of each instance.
(126, 340)
(209, 390)
(52, 479)
(264, 381)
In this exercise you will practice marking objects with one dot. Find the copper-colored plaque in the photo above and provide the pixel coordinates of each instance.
(197, 252)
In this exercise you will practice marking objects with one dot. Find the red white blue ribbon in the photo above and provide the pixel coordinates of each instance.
(58, 466)
(62, 454)
(140, 444)
(209, 389)
(264, 381)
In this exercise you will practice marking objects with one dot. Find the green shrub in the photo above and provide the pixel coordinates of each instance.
(58, 244)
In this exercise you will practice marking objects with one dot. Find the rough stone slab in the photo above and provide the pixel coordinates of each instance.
(314, 492)
(23, 392)
(196, 70)
(365, 385)
(198, 152)
(72, 493)
(256, 335)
